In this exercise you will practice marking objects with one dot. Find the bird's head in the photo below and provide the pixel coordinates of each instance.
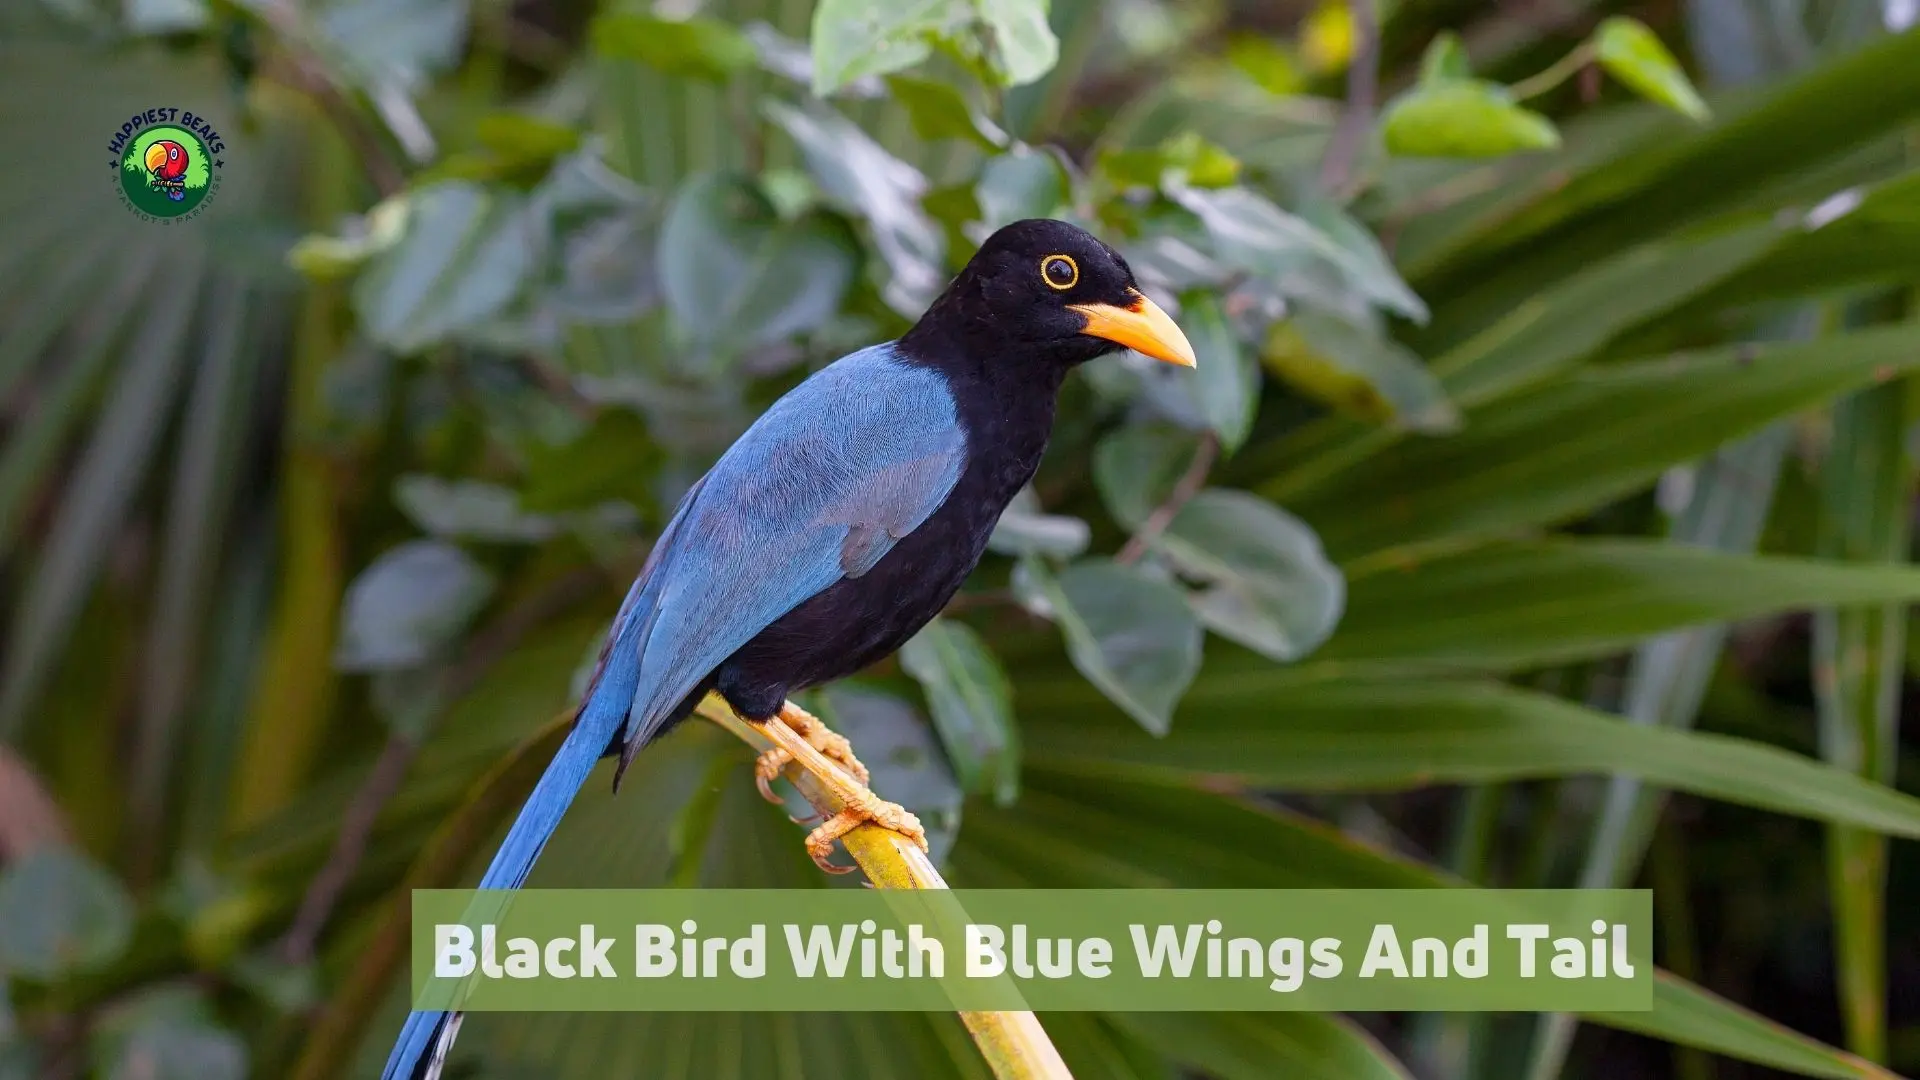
(1051, 291)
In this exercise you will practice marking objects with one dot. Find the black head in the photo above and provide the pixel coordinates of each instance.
(1043, 291)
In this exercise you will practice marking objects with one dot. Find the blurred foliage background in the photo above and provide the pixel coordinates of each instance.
(1538, 515)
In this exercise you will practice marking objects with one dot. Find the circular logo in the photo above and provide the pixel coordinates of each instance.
(167, 163)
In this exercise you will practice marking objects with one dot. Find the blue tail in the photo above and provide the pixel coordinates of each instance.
(605, 711)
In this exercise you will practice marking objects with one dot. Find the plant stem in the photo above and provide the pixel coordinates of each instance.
(1014, 1044)
(1565, 68)
(1363, 84)
(1188, 486)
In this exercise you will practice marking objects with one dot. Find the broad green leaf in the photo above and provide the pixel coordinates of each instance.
(1094, 1049)
(1463, 118)
(330, 256)
(1545, 454)
(1184, 159)
(61, 914)
(901, 751)
(1251, 234)
(1021, 42)
(407, 604)
(163, 1037)
(1358, 371)
(1268, 585)
(1634, 54)
(853, 39)
(1273, 729)
(862, 179)
(735, 276)
(1506, 606)
(1138, 466)
(165, 16)
(1225, 387)
(972, 705)
(469, 509)
(1025, 528)
(1023, 183)
(1130, 634)
(522, 137)
(695, 47)
(1445, 60)
(464, 256)
(397, 41)
(939, 111)
(1686, 1014)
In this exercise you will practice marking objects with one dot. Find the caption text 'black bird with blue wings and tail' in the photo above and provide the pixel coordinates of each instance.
(840, 524)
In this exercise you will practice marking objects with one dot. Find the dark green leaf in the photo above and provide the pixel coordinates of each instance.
(1269, 586)
(1027, 529)
(1225, 386)
(61, 913)
(409, 603)
(1259, 1046)
(972, 705)
(466, 253)
(1129, 633)
(401, 41)
(1463, 118)
(939, 111)
(167, 1034)
(1633, 54)
(695, 47)
(1023, 183)
(614, 459)
(895, 743)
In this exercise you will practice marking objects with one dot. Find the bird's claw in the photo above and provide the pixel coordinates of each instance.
(830, 743)
(860, 807)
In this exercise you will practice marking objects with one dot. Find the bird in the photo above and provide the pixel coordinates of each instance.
(836, 527)
(166, 160)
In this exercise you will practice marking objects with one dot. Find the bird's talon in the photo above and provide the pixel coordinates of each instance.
(769, 765)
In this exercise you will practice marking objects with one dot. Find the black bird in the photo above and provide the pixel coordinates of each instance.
(839, 525)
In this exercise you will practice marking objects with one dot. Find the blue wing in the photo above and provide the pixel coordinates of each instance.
(820, 488)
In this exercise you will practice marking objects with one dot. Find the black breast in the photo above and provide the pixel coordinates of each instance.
(858, 621)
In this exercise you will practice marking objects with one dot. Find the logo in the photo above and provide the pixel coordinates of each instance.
(166, 164)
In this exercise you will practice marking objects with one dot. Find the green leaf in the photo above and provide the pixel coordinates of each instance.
(1023, 183)
(1131, 634)
(166, 1034)
(1357, 371)
(61, 914)
(396, 41)
(616, 458)
(1445, 60)
(1138, 466)
(409, 603)
(1688, 1015)
(735, 276)
(938, 110)
(165, 16)
(1225, 387)
(1505, 606)
(1267, 63)
(1634, 54)
(859, 177)
(1370, 734)
(1025, 528)
(899, 747)
(1463, 118)
(853, 39)
(464, 256)
(1021, 41)
(1269, 586)
(695, 47)
(972, 705)
(1544, 454)
(1251, 234)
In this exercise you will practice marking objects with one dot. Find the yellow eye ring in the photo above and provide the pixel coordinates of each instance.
(1046, 272)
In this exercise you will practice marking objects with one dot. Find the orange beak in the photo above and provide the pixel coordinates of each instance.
(1140, 326)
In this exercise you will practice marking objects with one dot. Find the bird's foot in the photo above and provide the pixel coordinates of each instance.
(822, 738)
(858, 803)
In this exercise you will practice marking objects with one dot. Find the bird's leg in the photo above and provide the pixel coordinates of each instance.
(809, 727)
(858, 803)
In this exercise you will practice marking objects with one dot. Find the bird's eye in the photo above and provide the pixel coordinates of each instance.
(1060, 271)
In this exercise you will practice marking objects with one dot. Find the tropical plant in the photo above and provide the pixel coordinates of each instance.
(1539, 395)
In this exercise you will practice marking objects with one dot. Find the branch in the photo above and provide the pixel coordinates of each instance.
(1014, 1044)
(1188, 486)
(29, 818)
(1363, 79)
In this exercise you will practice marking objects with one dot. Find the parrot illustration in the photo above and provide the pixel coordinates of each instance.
(166, 163)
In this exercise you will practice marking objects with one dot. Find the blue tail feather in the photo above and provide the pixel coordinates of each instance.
(607, 705)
